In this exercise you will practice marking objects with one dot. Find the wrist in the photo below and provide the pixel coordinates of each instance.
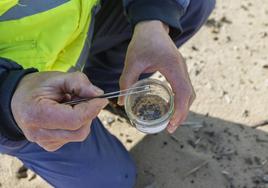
(152, 25)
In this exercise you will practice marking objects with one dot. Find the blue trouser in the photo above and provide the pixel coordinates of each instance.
(101, 160)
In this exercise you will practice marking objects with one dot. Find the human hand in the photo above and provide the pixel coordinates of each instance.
(37, 110)
(151, 49)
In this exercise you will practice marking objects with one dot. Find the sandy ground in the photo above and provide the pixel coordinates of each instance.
(224, 143)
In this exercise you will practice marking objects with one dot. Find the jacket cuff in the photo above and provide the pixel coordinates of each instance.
(8, 125)
(166, 11)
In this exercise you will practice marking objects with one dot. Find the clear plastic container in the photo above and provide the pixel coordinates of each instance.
(150, 111)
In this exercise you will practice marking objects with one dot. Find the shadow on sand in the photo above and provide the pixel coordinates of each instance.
(210, 153)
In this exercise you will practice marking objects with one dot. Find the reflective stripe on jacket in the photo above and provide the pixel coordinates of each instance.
(46, 34)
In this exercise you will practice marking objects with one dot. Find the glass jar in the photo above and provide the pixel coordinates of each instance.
(150, 111)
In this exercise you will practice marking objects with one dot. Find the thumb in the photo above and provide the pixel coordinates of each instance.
(129, 76)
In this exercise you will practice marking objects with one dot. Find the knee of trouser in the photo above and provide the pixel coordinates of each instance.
(206, 7)
(201, 10)
(195, 16)
(210, 6)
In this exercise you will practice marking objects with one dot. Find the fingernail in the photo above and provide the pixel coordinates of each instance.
(171, 130)
(172, 123)
(172, 127)
(98, 90)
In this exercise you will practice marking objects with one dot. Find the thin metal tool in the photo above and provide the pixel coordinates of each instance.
(114, 94)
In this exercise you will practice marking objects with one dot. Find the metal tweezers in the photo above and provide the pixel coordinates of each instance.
(111, 95)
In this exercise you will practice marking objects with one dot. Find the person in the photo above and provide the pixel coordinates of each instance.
(54, 51)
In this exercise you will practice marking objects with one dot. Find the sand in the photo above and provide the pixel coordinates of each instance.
(224, 143)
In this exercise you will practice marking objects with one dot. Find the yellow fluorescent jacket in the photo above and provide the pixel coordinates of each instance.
(45, 34)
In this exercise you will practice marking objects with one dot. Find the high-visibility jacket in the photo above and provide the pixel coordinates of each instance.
(55, 34)
(46, 34)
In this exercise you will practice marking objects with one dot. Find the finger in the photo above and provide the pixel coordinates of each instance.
(52, 115)
(63, 136)
(129, 76)
(182, 95)
(171, 128)
(79, 85)
(179, 116)
(181, 104)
